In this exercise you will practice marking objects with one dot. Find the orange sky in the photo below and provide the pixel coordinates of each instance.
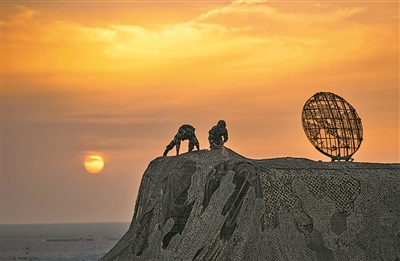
(119, 78)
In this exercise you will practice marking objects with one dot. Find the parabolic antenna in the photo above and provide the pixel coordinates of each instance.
(332, 125)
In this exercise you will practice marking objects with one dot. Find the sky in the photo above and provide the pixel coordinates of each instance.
(118, 78)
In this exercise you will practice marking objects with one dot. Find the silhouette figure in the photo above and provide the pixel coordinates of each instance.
(185, 132)
(216, 134)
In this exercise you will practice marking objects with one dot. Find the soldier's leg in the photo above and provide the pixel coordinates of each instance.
(178, 145)
(212, 143)
(191, 146)
(220, 143)
(215, 144)
(194, 142)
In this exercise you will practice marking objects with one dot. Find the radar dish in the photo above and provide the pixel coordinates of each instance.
(332, 125)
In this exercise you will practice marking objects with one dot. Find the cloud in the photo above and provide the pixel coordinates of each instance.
(252, 11)
(131, 73)
(255, 30)
(18, 15)
(237, 42)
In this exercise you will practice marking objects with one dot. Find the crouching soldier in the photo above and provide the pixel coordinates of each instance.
(216, 134)
(185, 132)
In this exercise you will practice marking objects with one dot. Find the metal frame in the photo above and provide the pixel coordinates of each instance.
(332, 125)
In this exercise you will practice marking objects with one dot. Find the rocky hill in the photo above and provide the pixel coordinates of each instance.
(219, 205)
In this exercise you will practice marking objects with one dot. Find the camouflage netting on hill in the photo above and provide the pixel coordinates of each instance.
(218, 205)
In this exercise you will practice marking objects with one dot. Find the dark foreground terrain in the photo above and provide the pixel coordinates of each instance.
(219, 205)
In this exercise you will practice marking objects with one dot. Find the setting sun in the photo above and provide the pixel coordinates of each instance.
(94, 164)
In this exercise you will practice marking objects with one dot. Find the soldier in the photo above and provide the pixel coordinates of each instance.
(185, 132)
(216, 134)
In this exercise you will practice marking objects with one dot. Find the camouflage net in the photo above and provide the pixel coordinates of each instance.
(219, 205)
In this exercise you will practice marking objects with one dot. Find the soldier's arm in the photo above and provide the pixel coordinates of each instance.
(225, 136)
(211, 134)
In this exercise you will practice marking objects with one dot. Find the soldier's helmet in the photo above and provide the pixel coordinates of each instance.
(221, 123)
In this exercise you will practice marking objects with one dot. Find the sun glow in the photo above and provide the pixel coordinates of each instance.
(94, 164)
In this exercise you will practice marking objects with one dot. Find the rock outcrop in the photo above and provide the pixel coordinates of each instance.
(219, 205)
